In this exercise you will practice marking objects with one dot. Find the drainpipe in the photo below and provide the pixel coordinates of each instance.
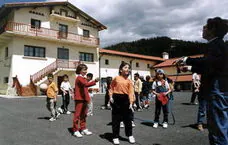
(100, 56)
(131, 68)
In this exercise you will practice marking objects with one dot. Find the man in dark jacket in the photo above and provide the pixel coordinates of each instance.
(213, 68)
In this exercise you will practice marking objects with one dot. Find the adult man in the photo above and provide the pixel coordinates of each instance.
(214, 78)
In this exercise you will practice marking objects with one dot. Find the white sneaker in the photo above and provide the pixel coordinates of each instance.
(68, 112)
(52, 119)
(155, 125)
(132, 123)
(131, 139)
(57, 115)
(77, 134)
(121, 124)
(86, 132)
(60, 110)
(165, 125)
(116, 141)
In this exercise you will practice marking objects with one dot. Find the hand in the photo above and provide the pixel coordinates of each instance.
(111, 100)
(179, 61)
(131, 107)
(185, 68)
(97, 79)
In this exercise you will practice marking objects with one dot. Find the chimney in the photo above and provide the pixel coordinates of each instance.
(165, 55)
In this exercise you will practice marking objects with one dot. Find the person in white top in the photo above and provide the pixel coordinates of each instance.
(66, 91)
(195, 88)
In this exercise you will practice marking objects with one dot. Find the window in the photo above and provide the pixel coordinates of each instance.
(6, 52)
(6, 80)
(148, 65)
(86, 56)
(85, 33)
(63, 53)
(34, 51)
(106, 61)
(35, 23)
(63, 30)
(63, 12)
(137, 64)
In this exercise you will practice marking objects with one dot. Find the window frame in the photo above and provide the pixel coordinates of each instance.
(63, 34)
(6, 80)
(89, 57)
(33, 50)
(34, 26)
(137, 64)
(106, 62)
(86, 33)
(66, 51)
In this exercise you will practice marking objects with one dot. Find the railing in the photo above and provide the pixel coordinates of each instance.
(26, 29)
(59, 63)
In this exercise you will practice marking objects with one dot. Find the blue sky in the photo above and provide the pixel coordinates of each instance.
(129, 20)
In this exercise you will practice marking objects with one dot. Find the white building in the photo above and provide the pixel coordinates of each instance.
(110, 61)
(38, 38)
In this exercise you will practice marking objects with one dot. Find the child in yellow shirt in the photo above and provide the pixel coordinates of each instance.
(52, 91)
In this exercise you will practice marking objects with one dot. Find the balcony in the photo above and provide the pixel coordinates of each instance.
(48, 34)
(56, 15)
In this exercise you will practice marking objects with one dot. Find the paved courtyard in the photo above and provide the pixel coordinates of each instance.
(24, 121)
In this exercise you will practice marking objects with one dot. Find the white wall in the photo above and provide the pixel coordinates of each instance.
(114, 62)
(23, 66)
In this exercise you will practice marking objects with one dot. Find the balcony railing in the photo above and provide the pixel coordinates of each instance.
(59, 63)
(26, 29)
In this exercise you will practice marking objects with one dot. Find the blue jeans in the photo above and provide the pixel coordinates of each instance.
(201, 110)
(217, 113)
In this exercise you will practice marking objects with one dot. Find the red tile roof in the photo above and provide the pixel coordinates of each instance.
(181, 78)
(113, 52)
(169, 62)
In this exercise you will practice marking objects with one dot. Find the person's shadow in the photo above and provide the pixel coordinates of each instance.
(108, 136)
(194, 126)
(44, 118)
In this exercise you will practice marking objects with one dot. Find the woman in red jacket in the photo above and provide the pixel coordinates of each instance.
(81, 98)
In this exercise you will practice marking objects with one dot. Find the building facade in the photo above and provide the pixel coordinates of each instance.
(38, 38)
(110, 61)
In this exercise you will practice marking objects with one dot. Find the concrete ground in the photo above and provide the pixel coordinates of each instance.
(24, 121)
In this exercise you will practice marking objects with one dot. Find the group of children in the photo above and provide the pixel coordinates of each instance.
(122, 93)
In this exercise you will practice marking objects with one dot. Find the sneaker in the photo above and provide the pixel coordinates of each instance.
(77, 134)
(57, 115)
(146, 106)
(116, 141)
(139, 110)
(103, 107)
(86, 132)
(155, 125)
(68, 112)
(131, 139)
(165, 125)
(121, 124)
(60, 110)
(200, 127)
(52, 119)
(132, 123)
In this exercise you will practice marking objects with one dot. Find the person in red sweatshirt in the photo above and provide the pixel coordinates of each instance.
(81, 98)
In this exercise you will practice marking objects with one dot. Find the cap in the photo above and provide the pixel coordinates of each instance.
(160, 71)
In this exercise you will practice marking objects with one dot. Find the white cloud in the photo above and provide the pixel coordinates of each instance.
(133, 19)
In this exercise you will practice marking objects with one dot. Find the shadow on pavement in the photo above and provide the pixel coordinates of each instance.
(186, 104)
(147, 124)
(45, 118)
(194, 126)
(109, 137)
(109, 124)
(70, 130)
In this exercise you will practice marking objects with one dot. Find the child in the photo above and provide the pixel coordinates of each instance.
(90, 105)
(66, 90)
(81, 97)
(161, 89)
(107, 87)
(51, 98)
(121, 95)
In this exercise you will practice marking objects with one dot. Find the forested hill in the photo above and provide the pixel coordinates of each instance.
(155, 47)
